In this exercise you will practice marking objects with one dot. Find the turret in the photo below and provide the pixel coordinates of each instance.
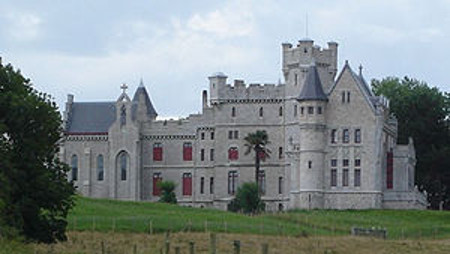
(312, 102)
(142, 108)
(217, 82)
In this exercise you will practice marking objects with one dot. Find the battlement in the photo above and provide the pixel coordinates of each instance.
(307, 52)
(240, 91)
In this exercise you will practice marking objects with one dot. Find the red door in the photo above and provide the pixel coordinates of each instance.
(187, 184)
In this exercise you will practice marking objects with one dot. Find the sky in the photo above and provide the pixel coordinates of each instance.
(89, 48)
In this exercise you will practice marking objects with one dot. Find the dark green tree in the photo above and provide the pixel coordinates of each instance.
(257, 142)
(247, 199)
(167, 192)
(35, 192)
(422, 113)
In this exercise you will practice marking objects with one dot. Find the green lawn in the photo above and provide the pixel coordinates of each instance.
(121, 216)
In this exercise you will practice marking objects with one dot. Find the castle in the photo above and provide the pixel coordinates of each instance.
(333, 142)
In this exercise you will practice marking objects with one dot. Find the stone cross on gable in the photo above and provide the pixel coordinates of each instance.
(124, 87)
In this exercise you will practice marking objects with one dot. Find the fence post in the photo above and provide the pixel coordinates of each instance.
(237, 246)
(93, 223)
(135, 249)
(226, 226)
(103, 247)
(265, 248)
(177, 250)
(167, 243)
(212, 243)
(114, 225)
(206, 226)
(191, 248)
(151, 227)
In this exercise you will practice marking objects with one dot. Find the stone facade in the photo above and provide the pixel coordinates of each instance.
(332, 141)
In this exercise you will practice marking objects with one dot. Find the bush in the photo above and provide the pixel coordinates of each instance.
(167, 192)
(247, 200)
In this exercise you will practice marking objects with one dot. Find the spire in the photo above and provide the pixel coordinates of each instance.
(150, 110)
(360, 70)
(312, 88)
(141, 83)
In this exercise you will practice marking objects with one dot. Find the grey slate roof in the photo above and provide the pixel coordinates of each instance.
(151, 112)
(91, 117)
(312, 88)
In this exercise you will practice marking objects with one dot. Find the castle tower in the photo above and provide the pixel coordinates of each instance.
(307, 174)
(142, 108)
(217, 83)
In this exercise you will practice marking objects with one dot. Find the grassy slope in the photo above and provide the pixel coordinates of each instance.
(108, 215)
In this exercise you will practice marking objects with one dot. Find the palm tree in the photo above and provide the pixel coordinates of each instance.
(257, 142)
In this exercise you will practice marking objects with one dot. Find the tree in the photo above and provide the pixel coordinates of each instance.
(257, 142)
(35, 193)
(167, 192)
(422, 113)
(247, 199)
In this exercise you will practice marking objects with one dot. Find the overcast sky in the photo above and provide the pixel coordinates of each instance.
(88, 48)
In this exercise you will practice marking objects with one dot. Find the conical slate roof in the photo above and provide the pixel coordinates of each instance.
(312, 88)
(151, 112)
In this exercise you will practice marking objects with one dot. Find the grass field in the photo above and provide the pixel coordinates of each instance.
(142, 217)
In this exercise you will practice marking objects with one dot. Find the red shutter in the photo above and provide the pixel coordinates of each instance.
(187, 185)
(157, 153)
(156, 190)
(233, 153)
(390, 171)
(187, 152)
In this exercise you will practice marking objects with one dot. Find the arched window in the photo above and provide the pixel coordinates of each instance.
(123, 162)
(187, 151)
(233, 153)
(280, 111)
(261, 112)
(100, 168)
(345, 136)
(233, 112)
(74, 166)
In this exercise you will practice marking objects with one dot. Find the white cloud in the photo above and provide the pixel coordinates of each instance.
(23, 26)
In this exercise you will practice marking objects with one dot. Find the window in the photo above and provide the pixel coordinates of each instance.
(123, 166)
(202, 135)
(343, 96)
(334, 163)
(232, 182)
(295, 78)
(357, 163)
(280, 185)
(358, 136)
(156, 179)
(211, 185)
(295, 110)
(100, 168)
(233, 112)
(74, 166)
(333, 177)
(233, 153)
(345, 177)
(390, 170)
(310, 110)
(302, 110)
(345, 136)
(309, 164)
(348, 97)
(345, 163)
(211, 154)
(280, 152)
(123, 115)
(212, 135)
(157, 152)
(187, 151)
(262, 182)
(202, 154)
(357, 177)
(202, 185)
(230, 134)
(187, 184)
(261, 112)
(236, 134)
(333, 136)
(280, 111)
(319, 110)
